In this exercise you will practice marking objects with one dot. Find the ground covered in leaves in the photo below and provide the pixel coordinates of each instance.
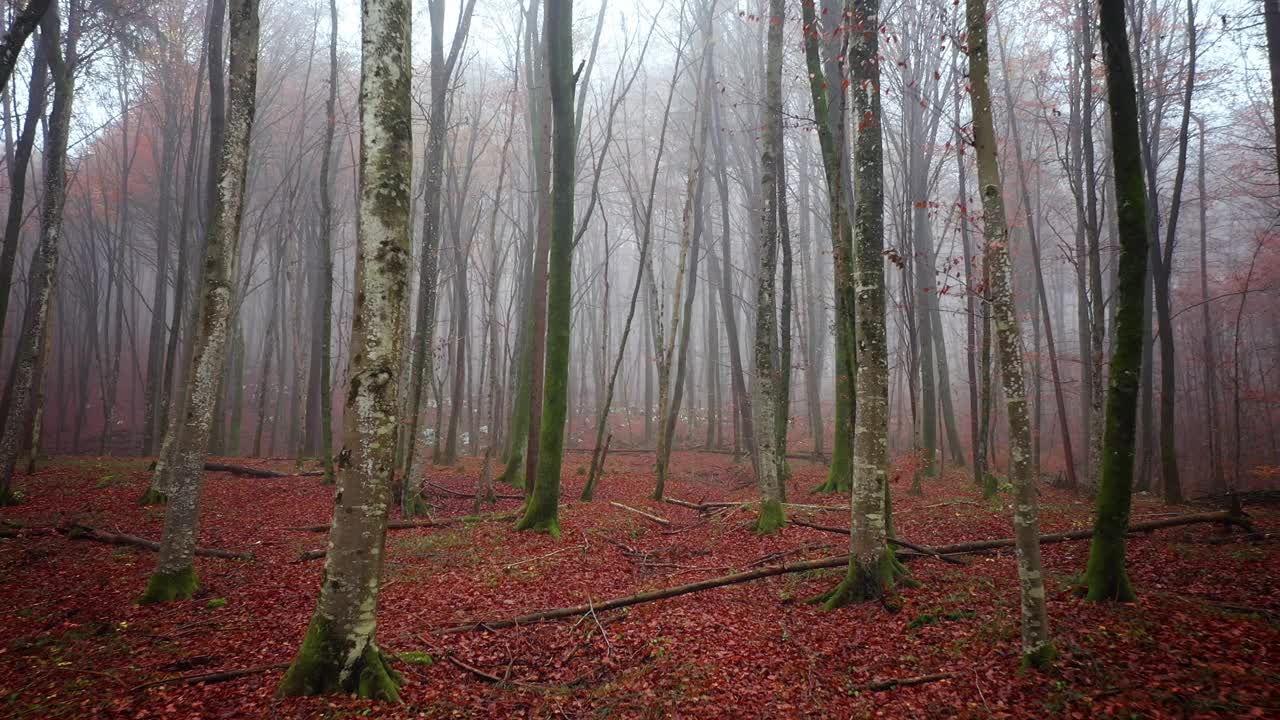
(1202, 640)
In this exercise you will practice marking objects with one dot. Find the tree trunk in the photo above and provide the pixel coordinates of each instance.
(339, 653)
(175, 577)
(45, 270)
(18, 172)
(828, 107)
(872, 569)
(542, 508)
(765, 403)
(1036, 649)
(1105, 576)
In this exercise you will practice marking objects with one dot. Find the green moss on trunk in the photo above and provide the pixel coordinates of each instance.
(153, 497)
(168, 587)
(840, 473)
(319, 668)
(1040, 658)
(865, 582)
(771, 518)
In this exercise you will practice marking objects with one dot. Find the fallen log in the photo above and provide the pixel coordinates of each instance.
(84, 532)
(247, 471)
(660, 520)
(818, 564)
(212, 677)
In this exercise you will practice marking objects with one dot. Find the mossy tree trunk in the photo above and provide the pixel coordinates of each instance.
(764, 401)
(1105, 576)
(828, 109)
(542, 507)
(324, 319)
(174, 577)
(1036, 648)
(339, 652)
(873, 568)
(31, 346)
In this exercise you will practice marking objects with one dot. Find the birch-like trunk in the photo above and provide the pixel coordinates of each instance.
(873, 569)
(175, 577)
(339, 652)
(1036, 648)
(764, 400)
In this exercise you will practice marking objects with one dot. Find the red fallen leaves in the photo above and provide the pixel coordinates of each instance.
(75, 644)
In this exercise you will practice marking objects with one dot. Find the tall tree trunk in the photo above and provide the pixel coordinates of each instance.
(1163, 271)
(1105, 576)
(27, 365)
(1036, 648)
(828, 107)
(422, 370)
(339, 653)
(873, 568)
(175, 577)
(18, 172)
(765, 396)
(324, 310)
(542, 508)
(1210, 355)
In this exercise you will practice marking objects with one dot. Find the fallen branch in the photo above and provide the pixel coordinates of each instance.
(818, 564)
(906, 682)
(245, 470)
(391, 525)
(84, 532)
(650, 596)
(467, 495)
(660, 520)
(213, 677)
(1225, 517)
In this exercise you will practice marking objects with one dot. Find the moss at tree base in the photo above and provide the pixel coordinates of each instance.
(839, 476)
(1040, 658)
(539, 520)
(318, 669)
(415, 507)
(861, 583)
(168, 587)
(771, 518)
(153, 497)
(10, 497)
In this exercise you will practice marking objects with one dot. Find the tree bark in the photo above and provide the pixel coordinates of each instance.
(1105, 576)
(1036, 648)
(175, 577)
(339, 653)
(45, 271)
(542, 508)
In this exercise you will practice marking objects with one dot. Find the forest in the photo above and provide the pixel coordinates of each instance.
(640, 359)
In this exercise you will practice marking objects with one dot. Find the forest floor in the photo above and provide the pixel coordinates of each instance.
(1203, 640)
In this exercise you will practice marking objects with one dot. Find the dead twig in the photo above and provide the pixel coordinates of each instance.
(906, 682)
(660, 520)
(213, 677)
